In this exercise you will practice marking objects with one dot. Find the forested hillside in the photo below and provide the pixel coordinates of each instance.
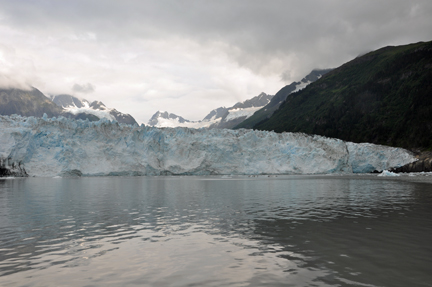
(383, 97)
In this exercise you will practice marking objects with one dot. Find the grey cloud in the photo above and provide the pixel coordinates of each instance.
(286, 76)
(273, 39)
(314, 31)
(85, 88)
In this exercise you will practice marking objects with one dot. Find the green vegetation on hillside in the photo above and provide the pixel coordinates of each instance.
(383, 97)
(26, 103)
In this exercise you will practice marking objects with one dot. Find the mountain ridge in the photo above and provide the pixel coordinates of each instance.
(382, 97)
(27, 103)
(280, 96)
(97, 109)
(34, 103)
(221, 117)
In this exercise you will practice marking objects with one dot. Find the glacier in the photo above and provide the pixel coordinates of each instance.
(48, 147)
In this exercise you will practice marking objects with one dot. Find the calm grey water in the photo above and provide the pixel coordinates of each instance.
(214, 231)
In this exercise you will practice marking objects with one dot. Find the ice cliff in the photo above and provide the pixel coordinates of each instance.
(51, 147)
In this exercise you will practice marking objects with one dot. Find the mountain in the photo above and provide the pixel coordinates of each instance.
(66, 147)
(66, 101)
(165, 119)
(218, 118)
(236, 114)
(216, 114)
(279, 98)
(27, 103)
(94, 111)
(34, 103)
(383, 97)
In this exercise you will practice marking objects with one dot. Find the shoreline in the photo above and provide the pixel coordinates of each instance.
(420, 177)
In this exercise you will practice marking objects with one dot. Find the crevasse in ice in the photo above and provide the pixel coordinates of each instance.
(51, 147)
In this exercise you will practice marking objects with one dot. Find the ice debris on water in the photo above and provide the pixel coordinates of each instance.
(65, 147)
(388, 173)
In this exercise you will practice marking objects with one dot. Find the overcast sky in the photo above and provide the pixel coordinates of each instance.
(189, 57)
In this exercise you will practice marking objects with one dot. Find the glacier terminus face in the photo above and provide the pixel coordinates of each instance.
(61, 147)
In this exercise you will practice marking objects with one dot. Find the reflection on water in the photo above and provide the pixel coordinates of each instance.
(212, 231)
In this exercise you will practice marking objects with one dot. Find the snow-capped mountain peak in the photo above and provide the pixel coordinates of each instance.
(98, 105)
(68, 101)
(258, 101)
(221, 117)
(216, 114)
(76, 106)
(165, 119)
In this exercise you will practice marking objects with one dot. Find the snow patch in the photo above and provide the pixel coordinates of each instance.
(301, 86)
(173, 123)
(237, 113)
(102, 114)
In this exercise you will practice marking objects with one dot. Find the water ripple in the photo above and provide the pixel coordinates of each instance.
(293, 231)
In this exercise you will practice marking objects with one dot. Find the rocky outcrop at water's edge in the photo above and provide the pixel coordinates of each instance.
(422, 165)
(11, 168)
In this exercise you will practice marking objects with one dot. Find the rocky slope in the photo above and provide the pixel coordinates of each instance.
(266, 111)
(423, 164)
(230, 117)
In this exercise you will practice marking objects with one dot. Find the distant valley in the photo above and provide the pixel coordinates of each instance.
(218, 118)
(242, 114)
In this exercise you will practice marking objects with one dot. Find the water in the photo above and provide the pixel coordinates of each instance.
(215, 231)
